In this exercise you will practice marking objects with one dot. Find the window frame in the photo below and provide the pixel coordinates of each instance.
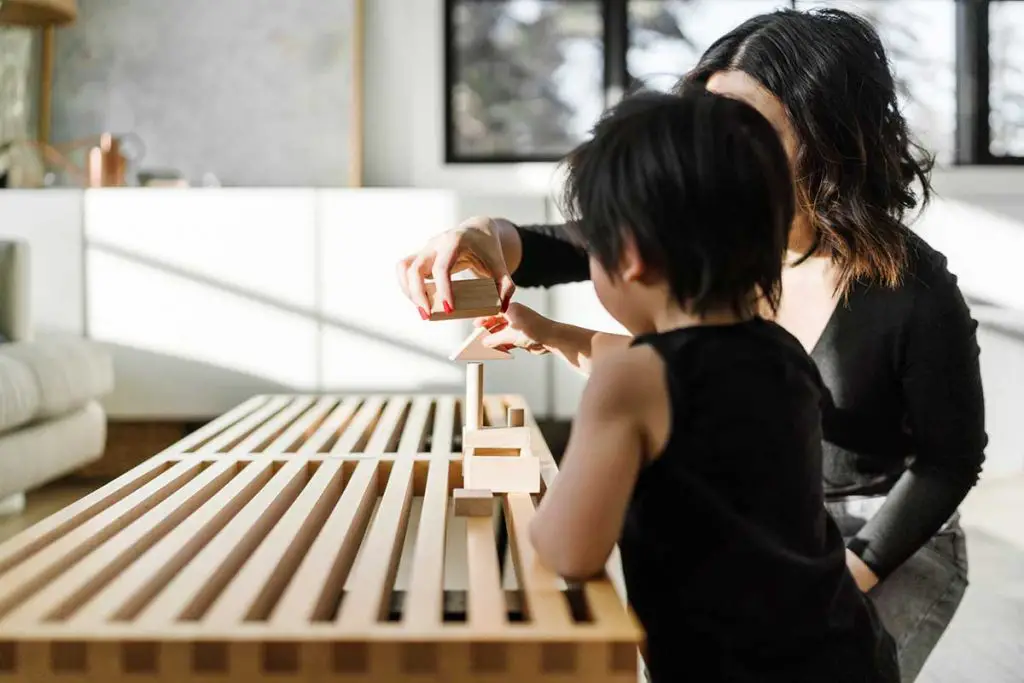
(973, 135)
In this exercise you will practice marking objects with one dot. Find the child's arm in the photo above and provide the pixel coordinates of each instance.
(522, 327)
(580, 517)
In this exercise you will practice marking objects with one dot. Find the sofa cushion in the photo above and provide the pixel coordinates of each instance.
(19, 393)
(69, 372)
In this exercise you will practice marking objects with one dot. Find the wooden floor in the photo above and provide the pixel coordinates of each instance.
(985, 643)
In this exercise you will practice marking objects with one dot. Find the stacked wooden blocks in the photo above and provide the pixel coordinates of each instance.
(494, 459)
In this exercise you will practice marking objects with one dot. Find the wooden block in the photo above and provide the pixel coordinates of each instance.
(502, 474)
(516, 417)
(474, 407)
(496, 437)
(473, 503)
(473, 349)
(473, 298)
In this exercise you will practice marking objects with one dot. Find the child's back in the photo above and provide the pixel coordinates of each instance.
(731, 562)
(698, 450)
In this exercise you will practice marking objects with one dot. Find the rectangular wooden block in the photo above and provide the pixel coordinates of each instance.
(473, 298)
(502, 474)
(473, 503)
(496, 437)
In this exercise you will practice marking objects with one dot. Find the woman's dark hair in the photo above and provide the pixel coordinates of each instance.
(702, 185)
(856, 162)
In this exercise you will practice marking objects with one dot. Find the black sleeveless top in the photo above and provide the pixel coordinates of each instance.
(731, 563)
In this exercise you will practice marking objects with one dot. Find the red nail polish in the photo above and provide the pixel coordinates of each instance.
(423, 313)
(504, 306)
(447, 307)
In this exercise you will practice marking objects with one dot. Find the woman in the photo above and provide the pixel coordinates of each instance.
(871, 302)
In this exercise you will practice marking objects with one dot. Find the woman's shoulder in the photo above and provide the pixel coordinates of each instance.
(927, 268)
(926, 280)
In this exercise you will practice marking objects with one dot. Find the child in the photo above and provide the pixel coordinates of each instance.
(698, 448)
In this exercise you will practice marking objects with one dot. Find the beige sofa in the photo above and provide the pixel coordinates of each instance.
(50, 419)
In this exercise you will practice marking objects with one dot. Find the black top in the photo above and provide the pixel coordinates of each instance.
(731, 563)
(905, 414)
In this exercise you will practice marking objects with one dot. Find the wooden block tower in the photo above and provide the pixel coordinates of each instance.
(494, 459)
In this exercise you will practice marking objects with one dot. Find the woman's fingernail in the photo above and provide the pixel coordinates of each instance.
(423, 313)
(447, 307)
(504, 306)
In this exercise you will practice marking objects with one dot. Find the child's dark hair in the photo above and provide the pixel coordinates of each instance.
(700, 182)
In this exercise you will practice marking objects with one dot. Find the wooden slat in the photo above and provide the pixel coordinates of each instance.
(317, 584)
(337, 420)
(541, 587)
(373, 575)
(360, 425)
(251, 593)
(103, 564)
(28, 542)
(214, 427)
(238, 431)
(444, 425)
(386, 430)
(424, 598)
(21, 581)
(194, 587)
(486, 599)
(302, 428)
(140, 582)
(606, 609)
(272, 427)
(415, 432)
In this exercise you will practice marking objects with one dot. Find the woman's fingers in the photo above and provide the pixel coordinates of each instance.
(444, 257)
(415, 275)
(506, 288)
(402, 273)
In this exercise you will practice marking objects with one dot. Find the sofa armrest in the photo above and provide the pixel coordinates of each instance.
(15, 313)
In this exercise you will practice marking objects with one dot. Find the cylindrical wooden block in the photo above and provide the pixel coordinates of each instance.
(516, 417)
(474, 395)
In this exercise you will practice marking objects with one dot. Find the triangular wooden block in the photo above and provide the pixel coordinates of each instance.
(473, 349)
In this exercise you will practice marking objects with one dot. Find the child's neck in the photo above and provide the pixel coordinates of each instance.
(674, 317)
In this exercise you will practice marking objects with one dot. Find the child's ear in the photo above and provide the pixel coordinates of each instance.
(632, 265)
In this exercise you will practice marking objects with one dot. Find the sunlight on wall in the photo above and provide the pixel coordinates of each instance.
(984, 249)
(295, 287)
(141, 307)
(363, 235)
(258, 240)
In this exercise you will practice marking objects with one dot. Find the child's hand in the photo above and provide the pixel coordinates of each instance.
(519, 327)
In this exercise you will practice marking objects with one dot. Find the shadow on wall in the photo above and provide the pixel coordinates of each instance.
(274, 346)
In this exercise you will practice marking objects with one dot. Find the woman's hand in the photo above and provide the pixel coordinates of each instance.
(862, 574)
(519, 327)
(475, 245)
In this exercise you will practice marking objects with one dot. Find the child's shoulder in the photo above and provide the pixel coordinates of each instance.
(623, 377)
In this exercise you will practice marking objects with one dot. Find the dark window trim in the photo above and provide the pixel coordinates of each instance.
(976, 26)
(973, 133)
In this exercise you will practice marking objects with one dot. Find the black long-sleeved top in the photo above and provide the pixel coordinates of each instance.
(905, 416)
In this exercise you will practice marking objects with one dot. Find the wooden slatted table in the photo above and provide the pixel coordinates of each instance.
(301, 538)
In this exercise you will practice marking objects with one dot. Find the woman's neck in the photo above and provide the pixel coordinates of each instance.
(803, 240)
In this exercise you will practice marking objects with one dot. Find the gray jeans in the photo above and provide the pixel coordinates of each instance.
(918, 600)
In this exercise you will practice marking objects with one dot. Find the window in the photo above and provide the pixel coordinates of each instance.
(667, 37)
(526, 79)
(1006, 79)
